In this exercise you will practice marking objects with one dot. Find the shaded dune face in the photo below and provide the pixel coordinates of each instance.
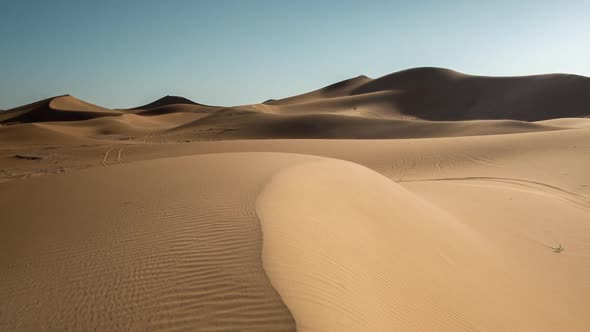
(238, 124)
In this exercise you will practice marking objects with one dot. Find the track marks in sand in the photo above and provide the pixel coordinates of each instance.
(105, 157)
(117, 157)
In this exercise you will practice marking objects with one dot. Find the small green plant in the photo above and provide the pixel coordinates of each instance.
(557, 249)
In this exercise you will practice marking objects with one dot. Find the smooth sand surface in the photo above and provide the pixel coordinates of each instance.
(425, 200)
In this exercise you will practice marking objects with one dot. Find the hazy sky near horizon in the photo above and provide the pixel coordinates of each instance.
(127, 53)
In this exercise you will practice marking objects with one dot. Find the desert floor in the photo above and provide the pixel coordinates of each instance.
(356, 207)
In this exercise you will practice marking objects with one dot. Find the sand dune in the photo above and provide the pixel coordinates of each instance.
(171, 104)
(441, 94)
(360, 107)
(238, 124)
(37, 134)
(166, 100)
(122, 126)
(150, 254)
(424, 200)
(376, 104)
(424, 247)
(349, 250)
(340, 89)
(176, 108)
(62, 108)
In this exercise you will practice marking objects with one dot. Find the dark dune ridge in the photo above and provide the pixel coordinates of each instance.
(164, 101)
(168, 104)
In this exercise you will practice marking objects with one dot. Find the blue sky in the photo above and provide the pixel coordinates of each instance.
(126, 53)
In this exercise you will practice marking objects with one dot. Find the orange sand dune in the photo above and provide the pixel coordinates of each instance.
(424, 200)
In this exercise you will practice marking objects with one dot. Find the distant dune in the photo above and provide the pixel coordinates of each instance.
(165, 101)
(171, 104)
(424, 200)
(441, 94)
(361, 107)
(61, 108)
(339, 89)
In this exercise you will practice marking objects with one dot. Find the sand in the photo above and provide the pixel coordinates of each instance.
(425, 200)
